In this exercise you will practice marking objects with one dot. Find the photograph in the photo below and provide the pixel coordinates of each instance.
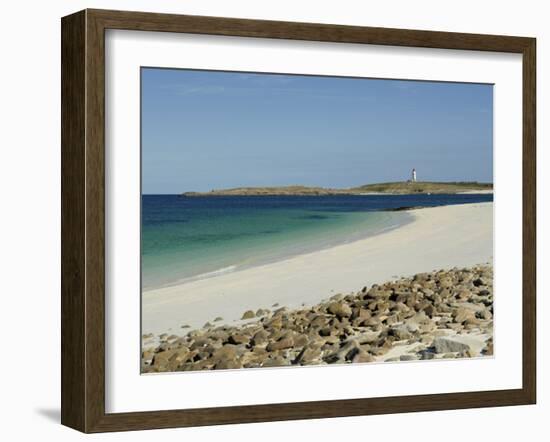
(292, 220)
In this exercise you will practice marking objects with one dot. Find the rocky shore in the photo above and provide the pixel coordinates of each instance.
(442, 314)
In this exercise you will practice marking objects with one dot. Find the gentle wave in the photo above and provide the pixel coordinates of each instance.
(230, 234)
(243, 265)
(206, 275)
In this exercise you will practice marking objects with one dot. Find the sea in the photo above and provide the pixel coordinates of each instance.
(190, 238)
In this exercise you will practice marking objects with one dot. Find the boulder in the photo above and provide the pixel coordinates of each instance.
(280, 345)
(277, 361)
(249, 314)
(238, 339)
(462, 314)
(260, 337)
(227, 364)
(401, 332)
(339, 309)
(362, 356)
(228, 351)
(308, 355)
(449, 345)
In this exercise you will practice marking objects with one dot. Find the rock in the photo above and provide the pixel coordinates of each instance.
(280, 311)
(361, 314)
(422, 277)
(345, 352)
(449, 345)
(147, 355)
(275, 323)
(226, 352)
(433, 312)
(372, 322)
(462, 314)
(238, 339)
(446, 356)
(485, 314)
(377, 292)
(454, 326)
(349, 350)
(318, 321)
(464, 295)
(280, 345)
(200, 343)
(300, 341)
(420, 322)
(488, 350)
(339, 309)
(260, 337)
(429, 310)
(227, 364)
(369, 337)
(480, 282)
(362, 356)
(170, 358)
(249, 314)
(278, 361)
(426, 354)
(391, 320)
(401, 332)
(401, 307)
(308, 355)
(446, 282)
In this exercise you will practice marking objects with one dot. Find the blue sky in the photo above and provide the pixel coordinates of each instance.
(205, 130)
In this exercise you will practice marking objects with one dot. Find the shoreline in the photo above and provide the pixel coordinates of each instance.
(399, 221)
(309, 278)
(465, 192)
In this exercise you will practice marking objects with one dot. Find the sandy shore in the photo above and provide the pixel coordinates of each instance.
(477, 192)
(467, 192)
(440, 237)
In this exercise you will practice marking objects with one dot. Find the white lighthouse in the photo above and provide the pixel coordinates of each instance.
(413, 176)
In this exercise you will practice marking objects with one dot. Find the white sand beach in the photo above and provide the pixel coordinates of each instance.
(477, 192)
(438, 238)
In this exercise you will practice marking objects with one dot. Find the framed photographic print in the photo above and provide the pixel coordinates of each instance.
(271, 220)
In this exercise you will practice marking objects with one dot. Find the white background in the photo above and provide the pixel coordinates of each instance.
(30, 221)
(126, 52)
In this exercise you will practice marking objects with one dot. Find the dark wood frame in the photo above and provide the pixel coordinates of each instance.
(83, 218)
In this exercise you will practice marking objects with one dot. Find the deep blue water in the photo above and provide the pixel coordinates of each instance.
(189, 237)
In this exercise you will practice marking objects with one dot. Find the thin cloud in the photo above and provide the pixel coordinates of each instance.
(264, 90)
(198, 90)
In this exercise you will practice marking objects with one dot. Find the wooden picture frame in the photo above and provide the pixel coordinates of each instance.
(83, 220)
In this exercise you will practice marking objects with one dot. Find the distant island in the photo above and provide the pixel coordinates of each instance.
(399, 187)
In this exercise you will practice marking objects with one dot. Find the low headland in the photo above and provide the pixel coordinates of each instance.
(376, 299)
(396, 188)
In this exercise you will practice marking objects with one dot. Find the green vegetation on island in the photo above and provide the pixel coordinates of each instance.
(402, 187)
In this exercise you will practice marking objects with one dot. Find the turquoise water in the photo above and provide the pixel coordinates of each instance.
(199, 237)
